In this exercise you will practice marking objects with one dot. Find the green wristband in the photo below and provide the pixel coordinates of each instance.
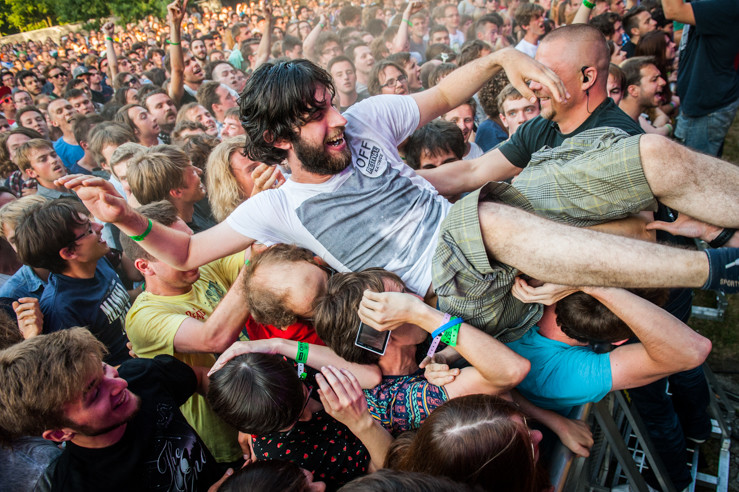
(302, 359)
(588, 4)
(108, 38)
(302, 356)
(450, 336)
(141, 237)
(172, 44)
(408, 22)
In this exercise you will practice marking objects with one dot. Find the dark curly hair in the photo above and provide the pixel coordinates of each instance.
(278, 99)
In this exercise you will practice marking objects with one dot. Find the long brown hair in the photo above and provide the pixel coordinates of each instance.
(474, 439)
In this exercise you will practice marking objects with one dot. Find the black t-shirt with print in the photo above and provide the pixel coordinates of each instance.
(159, 450)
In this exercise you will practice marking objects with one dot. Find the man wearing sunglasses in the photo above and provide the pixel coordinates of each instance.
(58, 76)
(83, 288)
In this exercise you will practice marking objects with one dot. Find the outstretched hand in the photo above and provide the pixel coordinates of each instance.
(523, 70)
(238, 348)
(176, 11)
(108, 28)
(98, 195)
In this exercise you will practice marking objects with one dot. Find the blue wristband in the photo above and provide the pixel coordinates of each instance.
(446, 326)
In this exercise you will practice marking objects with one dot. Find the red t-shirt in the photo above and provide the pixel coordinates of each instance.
(300, 332)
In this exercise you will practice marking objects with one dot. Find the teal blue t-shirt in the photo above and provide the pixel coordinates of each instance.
(561, 376)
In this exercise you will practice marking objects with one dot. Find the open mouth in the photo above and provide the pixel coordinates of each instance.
(336, 142)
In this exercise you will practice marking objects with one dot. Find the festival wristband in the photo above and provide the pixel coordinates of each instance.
(588, 4)
(408, 22)
(302, 358)
(172, 44)
(141, 237)
(447, 324)
(437, 338)
(450, 336)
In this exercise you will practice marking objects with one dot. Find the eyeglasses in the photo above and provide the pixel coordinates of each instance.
(88, 232)
(59, 74)
(132, 80)
(393, 82)
(305, 405)
(6, 100)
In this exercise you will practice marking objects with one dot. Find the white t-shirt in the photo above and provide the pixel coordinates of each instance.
(474, 152)
(526, 47)
(376, 213)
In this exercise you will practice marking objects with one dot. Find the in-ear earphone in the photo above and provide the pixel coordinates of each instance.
(585, 77)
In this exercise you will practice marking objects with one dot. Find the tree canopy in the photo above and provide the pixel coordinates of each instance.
(27, 15)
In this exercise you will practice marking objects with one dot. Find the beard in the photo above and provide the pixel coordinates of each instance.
(317, 160)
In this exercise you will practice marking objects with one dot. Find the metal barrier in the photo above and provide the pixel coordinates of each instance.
(622, 449)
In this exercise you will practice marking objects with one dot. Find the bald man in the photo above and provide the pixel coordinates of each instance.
(639, 169)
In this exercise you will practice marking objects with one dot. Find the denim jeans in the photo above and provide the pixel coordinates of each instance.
(706, 133)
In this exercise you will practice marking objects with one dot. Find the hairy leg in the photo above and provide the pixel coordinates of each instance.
(563, 254)
(700, 185)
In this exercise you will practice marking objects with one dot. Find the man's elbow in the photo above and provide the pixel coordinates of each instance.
(699, 352)
(515, 373)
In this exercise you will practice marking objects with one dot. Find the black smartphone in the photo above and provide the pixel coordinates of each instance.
(370, 339)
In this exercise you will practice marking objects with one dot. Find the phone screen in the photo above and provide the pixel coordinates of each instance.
(370, 339)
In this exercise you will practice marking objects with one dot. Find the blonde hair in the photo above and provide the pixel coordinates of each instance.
(224, 193)
(23, 153)
(12, 213)
(151, 175)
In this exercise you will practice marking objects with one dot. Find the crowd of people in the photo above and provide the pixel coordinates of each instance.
(303, 247)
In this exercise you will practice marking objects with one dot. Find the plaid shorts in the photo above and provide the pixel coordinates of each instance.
(591, 178)
(464, 280)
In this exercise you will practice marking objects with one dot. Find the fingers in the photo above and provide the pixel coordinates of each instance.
(217, 485)
(237, 348)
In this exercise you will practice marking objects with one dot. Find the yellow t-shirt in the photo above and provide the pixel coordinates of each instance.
(151, 325)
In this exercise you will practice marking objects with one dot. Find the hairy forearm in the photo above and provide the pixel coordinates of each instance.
(668, 341)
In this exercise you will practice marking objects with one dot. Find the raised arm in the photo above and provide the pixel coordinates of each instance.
(583, 14)
(678, 10)
(462, 83)
(263, 50)
(309, 42)
(175, 13)
(222, 327)
(465, 176)
(108, 31)
(176, 248)
(495, 367)
(667, 344)
(401, 40)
